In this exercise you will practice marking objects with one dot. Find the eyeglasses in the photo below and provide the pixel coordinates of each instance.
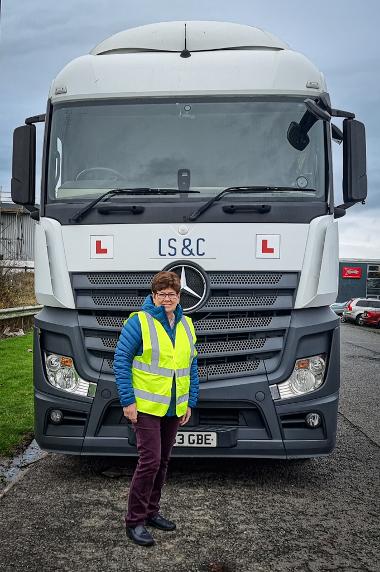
(163, 295)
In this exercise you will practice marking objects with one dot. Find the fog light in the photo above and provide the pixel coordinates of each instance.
(56, 416)
(313, 420)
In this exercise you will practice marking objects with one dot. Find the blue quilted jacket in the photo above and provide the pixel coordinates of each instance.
(130, 344)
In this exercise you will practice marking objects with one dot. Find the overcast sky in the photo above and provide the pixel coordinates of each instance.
(38, 37)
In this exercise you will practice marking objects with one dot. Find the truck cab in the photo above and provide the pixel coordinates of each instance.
(203, 148)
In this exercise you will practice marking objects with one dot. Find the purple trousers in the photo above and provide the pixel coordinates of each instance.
(155, 438)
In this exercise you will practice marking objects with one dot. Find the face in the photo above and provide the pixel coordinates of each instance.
(168, 298)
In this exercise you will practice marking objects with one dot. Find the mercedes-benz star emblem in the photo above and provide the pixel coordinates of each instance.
(194, 285)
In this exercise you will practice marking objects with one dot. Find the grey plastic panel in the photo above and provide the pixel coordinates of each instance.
(249, 303)
(58, 331)
(175, 212)
(235, 325)
(239, 347)
(129, 303)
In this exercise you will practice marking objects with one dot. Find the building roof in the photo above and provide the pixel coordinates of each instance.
(13, 208)
(360, 260)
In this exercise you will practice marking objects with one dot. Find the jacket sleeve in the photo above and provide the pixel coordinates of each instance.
(128, 346)
(194, 384)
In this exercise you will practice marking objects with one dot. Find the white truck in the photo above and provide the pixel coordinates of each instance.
(203, 148)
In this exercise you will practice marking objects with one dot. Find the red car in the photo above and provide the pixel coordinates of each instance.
(371, 318)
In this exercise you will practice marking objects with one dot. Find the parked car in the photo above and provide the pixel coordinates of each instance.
(371, 318)
(356, 308)
(338, 307)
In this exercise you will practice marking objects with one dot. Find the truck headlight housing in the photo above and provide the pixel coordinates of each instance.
(61, 373)
(307, 376)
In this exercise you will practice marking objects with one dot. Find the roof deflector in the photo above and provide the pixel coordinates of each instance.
(199, 36)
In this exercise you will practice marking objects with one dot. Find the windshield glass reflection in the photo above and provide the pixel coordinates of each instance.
(203, 146)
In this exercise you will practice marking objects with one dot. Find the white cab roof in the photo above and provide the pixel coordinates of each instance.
(225, 59)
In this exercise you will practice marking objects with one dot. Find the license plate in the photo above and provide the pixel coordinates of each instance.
(195, 439)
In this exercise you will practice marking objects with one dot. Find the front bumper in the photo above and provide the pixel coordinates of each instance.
(80, 435)
(372, 322)
(257, 426)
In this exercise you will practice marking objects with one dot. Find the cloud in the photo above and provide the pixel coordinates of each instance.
(40, 37)
(359, 235)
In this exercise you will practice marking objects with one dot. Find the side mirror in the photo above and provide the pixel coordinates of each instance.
(24, 165)
(298, 132)
(354, 162)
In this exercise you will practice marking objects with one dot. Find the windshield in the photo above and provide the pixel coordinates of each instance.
(204, 146)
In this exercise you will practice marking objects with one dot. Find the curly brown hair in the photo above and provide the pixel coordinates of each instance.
(166, 280)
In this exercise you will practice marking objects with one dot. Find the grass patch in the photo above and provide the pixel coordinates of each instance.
(16, 393)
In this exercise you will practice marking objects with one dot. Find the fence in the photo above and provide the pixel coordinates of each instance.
(15, 319)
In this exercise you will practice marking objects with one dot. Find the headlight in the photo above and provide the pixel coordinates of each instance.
(307, 376)
(62, 374)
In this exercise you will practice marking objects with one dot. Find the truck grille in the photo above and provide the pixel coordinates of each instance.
(241, 328)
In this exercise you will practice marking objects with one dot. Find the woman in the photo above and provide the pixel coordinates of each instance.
(157, 379)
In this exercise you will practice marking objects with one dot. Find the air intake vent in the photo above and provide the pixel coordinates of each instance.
(218, 417)
(245, 278)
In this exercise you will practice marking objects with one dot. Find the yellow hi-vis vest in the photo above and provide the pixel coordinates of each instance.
(153, 371)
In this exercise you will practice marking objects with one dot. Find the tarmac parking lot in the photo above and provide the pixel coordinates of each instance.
(65, 513)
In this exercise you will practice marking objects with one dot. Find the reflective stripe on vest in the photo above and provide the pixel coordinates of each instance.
(183, 398)
(152, 396)
(190, 336)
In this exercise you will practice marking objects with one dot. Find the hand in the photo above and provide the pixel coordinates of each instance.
(130, 412)
(184, 419)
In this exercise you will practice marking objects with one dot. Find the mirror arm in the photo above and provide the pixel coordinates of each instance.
(346, 206)
(35, 119)
(34, 213)
(341, 113)
(340, 210)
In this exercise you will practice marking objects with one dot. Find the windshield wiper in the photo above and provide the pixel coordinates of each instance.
(250, 189)
(125, 191)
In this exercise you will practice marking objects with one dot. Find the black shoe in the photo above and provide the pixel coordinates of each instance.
(140, 535)
(160, 522)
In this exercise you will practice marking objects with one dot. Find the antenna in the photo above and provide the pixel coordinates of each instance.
(185, 52)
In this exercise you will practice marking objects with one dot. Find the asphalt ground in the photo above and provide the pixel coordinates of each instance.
(65, 513)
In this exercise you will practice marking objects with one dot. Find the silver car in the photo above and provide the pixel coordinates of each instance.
(356, 307)
(339, 307)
